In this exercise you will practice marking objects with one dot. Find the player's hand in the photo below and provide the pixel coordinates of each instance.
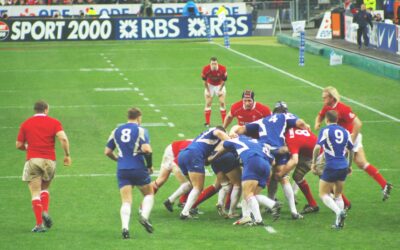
(314, 169)
(67, 161)
(150, 170)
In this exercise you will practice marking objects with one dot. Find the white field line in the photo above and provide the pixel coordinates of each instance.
(270, 230)
(309, 83)
(156, 173)
(119, 69)
(112, 89)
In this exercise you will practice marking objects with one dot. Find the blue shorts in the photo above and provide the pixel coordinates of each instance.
(133, 177)
(225, 163)
(333, 175)
(280, 159)
(256, 168)
(191, 161)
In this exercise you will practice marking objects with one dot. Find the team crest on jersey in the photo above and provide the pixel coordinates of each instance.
(4, 30)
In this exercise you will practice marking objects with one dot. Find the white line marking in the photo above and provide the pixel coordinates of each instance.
(181, 135)
(141, 94)
(109, 61)
(152, 105)
(308, 82)
(270, 230)
(170, 124)
(97, 69)
(112, 89)
(112, 65)
(121, 74)
(164, 118)
(126, 79)
(136, 89)
(130, 83)
(157, 110)
(146, 99)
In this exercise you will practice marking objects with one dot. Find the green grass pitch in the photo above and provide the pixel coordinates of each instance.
(166, 74)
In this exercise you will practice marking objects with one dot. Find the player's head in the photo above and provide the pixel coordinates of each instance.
(331, 117)
(330, 96)
(280, 107)
(41, 107)
(214, 63)
(134, 114)
(248, 99)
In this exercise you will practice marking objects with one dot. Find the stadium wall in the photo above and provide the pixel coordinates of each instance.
(362, 62)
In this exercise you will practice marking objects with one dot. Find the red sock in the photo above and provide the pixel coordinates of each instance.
(223, 114)
(183, 198)
(37, 210)
(45, 198)
(205, 194)
(374, 173)
(345, 201)
(228, 199)
(305, 188)
(207, 114)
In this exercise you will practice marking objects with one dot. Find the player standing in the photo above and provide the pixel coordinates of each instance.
(37, 137)
(214, 76)
(134, 149)
(350, 121)
(336, 141)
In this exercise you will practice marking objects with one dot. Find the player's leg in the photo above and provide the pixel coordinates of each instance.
(167, 164)
(209, 191)
(207, 109)
(249, 192)
(222, 108)
(288, 192)
(125, 211)
(234, 177)
(48, 170)
(338, 190)
(147, 206)
(302, 168)
(181, 179)
(197, 180)
(33, 176)
(324, 193)
(361, 161)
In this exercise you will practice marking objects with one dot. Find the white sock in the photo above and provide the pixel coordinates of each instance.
(125, 214)
(287, 189)
(235, 195)
(339, 202)
(147, 205)
(194, 194)
(295, 188)
(254, 207)
(245, 209)
(329, 202)
(183, 189)
(265, 201)
(223, 192)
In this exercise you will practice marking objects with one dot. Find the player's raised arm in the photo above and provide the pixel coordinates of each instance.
(221, 134)
(318, 121)
(228, 120)
(62, 137)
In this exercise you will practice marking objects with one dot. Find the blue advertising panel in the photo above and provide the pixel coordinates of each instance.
(387, 37)
(122, 28)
